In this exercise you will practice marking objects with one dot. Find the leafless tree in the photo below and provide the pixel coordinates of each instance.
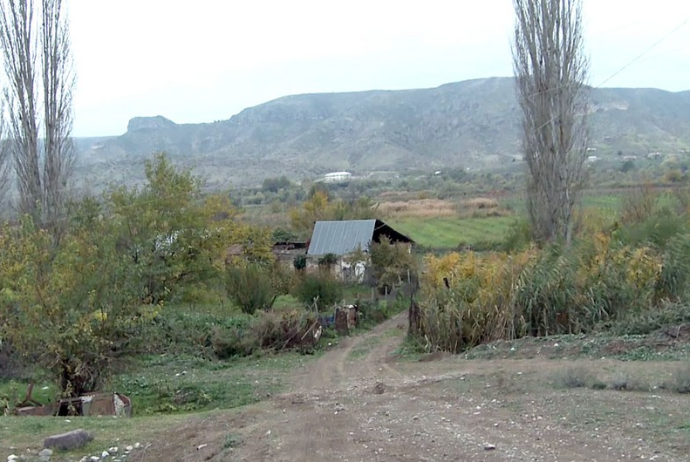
(38, 95)
(58, 83)
(551, 72)
(5, 160)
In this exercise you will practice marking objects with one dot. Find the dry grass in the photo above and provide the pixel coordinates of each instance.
(421, 208)
(480, 203)
(478, 207)
(481, 207)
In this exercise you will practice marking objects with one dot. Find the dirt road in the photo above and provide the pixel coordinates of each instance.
(356, 403)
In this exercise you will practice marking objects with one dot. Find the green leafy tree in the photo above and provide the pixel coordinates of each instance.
(71, 308)
(320, 208)
(173, 234)
(275, 184)
(391, 262)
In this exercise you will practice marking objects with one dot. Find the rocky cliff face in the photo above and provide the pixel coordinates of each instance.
(474, 123)
(150, 123)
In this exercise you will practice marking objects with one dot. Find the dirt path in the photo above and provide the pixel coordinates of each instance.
(358, 359)
(356, 403)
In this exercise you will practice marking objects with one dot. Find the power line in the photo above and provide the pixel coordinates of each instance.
(645, 52)
(624, 67)
(618, 72)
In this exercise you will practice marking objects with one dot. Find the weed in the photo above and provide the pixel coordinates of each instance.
(680, 380)
(598, 385)
(624, 382)
(411, 348)
(232, 441)
(574, 377)
(620, 382)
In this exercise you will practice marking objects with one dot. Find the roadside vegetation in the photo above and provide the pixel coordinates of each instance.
(141, 293)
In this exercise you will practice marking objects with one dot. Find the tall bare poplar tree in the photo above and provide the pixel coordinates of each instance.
(5, 160)
(40, 79)
(551, 72)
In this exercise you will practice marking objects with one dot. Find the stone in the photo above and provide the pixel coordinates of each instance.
(95, 458)
(67, 441)
(45, 454)
(489, 447)
(12, 458)
(113, 450)
(105, 455)
(379, 388)
(129, 448)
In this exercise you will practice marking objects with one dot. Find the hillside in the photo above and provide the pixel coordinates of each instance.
(473, 123)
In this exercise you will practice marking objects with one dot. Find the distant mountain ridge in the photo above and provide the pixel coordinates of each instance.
(472, 123)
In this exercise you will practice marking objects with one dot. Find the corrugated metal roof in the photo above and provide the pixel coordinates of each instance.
(341, 237)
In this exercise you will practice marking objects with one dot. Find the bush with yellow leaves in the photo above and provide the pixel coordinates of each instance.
(468, 299)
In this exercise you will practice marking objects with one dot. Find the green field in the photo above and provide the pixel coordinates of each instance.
(448, 233)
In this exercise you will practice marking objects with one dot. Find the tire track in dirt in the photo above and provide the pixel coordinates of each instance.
(444, 408)
(322, 394)
(337, 368)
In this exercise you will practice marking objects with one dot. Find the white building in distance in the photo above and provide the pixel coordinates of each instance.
(337, 177)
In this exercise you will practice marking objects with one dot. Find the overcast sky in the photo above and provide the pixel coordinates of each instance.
(207, 60)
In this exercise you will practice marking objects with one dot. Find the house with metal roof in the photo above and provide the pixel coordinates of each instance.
(341, 238)
(344, 237)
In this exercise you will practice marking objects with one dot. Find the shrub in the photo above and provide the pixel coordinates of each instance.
(300, 262)
(643, 322)
(574, 377)
(233, 341)
(675, 274)
(250, 287)
(638, 205)
(328, 260)
(467, 299)
(320, 289)
(470, 299)
(285, 330)
(186, 332)
(372, 313)
(656, 229)
(518, 237)
(680, 380)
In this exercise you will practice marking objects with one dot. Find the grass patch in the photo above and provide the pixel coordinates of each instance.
(448, 233)
(164, 385)
(13, 392)
(284, 302)
(364, 348)
(171, 384)
(17, 434)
